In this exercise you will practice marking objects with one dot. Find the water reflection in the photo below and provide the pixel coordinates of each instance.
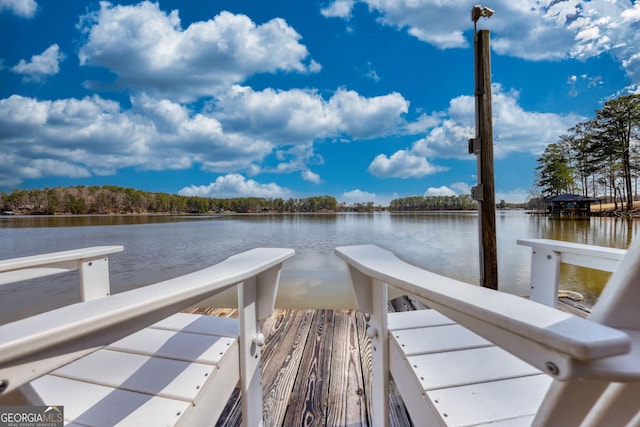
(161, 247)
(612, 232)
(38, 221)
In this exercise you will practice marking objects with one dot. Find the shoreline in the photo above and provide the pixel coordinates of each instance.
(231, 213)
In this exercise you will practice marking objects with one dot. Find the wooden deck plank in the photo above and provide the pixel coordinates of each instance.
(311, 390)
(578, 308)
(232, 414)
(282, 358)
(346, 388)
(365, 357)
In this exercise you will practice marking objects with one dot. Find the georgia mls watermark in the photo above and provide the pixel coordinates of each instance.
(31, 416)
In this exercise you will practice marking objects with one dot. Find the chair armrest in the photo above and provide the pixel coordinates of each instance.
(549, 339)
(92, 263)
(36, 345)
(31, 267)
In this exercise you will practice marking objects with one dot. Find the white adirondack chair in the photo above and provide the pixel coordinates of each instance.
(486, 358)
(131, 359)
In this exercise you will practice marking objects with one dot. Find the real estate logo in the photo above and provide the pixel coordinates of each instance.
(31, 416)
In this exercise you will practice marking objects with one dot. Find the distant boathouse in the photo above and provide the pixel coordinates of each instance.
(572, 205)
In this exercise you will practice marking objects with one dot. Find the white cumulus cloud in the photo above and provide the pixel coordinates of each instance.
(515, 130)
(299, 116)
(357, 196)
(23, 8)
(632, 14)
(310, 176)
(440, 191)
(149, 50)
(529, 29)
(454, 189)
(40, 66)
(338, 9)
(360, 196)
(98, 136)
(461, 187)
(238, 133)
(403, 164)
(236, 185)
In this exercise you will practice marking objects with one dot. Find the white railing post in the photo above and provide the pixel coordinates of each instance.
(545, 276)
(94, 279)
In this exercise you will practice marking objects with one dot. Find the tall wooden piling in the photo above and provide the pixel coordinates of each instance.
(482, 146)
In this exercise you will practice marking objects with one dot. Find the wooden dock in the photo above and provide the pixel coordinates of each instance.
(317, 368)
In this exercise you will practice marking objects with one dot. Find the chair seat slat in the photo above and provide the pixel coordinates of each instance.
(101, 406)
(174, 379)
(465, 367)
(417, 319)
(490, 401)
(208, 325)
(437, 339)
(184, 346)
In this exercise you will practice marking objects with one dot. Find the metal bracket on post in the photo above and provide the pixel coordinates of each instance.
(475, 145)
(477, 192)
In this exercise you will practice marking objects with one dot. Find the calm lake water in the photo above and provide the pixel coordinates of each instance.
(162, 247)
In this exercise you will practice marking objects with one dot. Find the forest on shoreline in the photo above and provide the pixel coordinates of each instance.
(108, 199)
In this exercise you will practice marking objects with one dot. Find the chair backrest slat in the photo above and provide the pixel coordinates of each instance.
(567, 403)
(617, 407)
(617, 306)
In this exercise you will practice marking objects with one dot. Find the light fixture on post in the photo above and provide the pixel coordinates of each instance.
(480, 12)
(476, 13)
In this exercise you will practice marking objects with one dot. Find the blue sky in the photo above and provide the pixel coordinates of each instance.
(362, 100)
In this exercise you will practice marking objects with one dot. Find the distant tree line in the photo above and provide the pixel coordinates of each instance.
(110, 199)
(425, 203)
(599, 158)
